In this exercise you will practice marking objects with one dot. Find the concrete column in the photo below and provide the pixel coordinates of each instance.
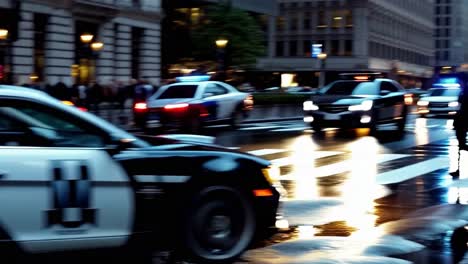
(22, 50)
(105, 63)
(361, 33)
(123, 53)
(271, 36)
(59, 47)
(150, 52)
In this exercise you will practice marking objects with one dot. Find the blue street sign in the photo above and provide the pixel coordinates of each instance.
(316, 50)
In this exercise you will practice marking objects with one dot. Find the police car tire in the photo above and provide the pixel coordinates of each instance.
(237, 118)
(229, 203)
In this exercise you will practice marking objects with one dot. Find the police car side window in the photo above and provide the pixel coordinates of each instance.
(56, 128)
(215, 89)
(388, 86)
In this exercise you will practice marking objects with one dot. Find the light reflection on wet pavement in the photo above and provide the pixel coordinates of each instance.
(338, 210)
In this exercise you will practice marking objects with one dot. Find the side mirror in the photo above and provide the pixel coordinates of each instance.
(384, 92)
(205, 95)
(118, 144)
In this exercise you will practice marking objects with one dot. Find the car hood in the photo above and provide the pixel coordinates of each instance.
(440, 99)
(341, 99)
(195, 143)
(156, 103)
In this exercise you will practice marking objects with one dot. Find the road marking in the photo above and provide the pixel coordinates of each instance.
(413, 170)
(264, 152)
(290, 129)
(317, 155)
(258, 128)
(348, 165)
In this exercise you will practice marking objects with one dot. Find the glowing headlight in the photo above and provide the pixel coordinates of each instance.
(453, 104)
(272, 174)
(364, 106)
(309, 106)
(423, 103)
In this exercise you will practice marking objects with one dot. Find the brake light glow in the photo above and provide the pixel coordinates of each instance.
(140, 106)
(176, 106)
(409, 99)
(248, 102)
(361, 78)
(82, 109)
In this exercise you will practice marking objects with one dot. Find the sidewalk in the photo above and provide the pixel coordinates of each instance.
(123, 117)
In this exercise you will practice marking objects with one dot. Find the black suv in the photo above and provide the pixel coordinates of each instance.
(359, 102)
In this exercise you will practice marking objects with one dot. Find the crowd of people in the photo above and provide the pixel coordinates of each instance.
(93, 94)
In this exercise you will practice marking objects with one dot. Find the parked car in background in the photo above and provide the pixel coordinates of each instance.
(300, 90)
(439, 101)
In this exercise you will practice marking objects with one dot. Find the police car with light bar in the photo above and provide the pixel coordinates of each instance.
(70, 181)
(359, 100)
(192, 103)
(442, 99)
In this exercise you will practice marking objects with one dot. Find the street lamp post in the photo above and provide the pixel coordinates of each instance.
(322, 57)
(221, 45)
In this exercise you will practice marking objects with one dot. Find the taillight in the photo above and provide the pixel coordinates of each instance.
(82, 109)
(248, 102)
(140, 107)
(409, 99)
(176, 106)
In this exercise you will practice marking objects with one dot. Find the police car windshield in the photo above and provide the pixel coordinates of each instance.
(445, 92)
(179, 91)
(350, 88)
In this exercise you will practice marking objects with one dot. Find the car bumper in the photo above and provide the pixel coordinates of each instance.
(437, 110)
(347, 119)
(267, 210)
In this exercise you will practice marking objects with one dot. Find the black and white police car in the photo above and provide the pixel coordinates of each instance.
(70, 181)
(357, 101)
(193, 102)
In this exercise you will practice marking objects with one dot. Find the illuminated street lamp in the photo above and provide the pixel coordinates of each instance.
(97, 46)
(322, 57)
(221, 43)
(3, 34)
(86, 38)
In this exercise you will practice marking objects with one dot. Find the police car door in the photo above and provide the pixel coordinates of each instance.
(61, 195)
(217, 95)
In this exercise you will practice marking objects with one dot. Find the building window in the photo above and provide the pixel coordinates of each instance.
(292, 48)
(306, 21)
(280, 23)
(293, 24)
(447, 21)
(321, 20)
(337, 18)
(307, 48)
(279, 49)
(137, 34)
(348, 14)
(348, 47)
(446, 55)
(40, 24)
(335, 47)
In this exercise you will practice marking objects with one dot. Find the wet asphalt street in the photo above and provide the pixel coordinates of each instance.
(354, 198)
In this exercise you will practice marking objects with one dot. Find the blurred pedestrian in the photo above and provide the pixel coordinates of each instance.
(82, 95)
(60, 91)
(460, 124)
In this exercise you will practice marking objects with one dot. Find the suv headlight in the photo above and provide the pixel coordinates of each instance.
(453, 104)
(364, 106)
(423, 103)
(310, 106)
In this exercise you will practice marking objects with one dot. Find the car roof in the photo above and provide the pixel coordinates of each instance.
(18, 91)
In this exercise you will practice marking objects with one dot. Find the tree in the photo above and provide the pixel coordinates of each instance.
(238, 27)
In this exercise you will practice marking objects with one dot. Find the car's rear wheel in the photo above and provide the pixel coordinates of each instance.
(237, 119)
(316, 128)
(194, 125)
(220, 224)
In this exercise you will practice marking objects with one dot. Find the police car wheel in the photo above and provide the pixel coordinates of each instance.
(221, 225)
(237, 118)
